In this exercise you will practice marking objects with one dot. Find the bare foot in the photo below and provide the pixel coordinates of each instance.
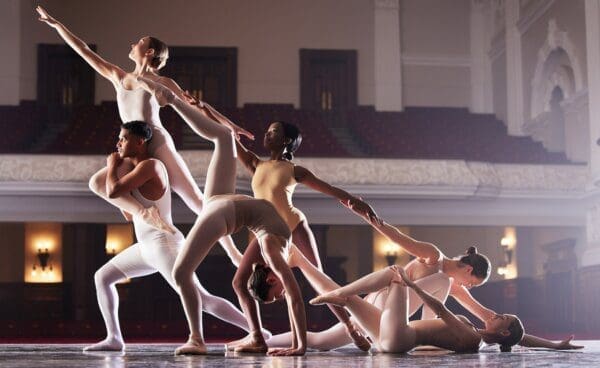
(151, 216)
(163, 95)
(192, 347)
(358, 338)
(329, 298)
(108, 344)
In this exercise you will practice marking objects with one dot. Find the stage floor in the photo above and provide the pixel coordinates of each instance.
(161, 355)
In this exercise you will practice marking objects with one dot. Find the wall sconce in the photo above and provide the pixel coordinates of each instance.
(391, 253)
(111, 248)
(43, 257)
(505, 243)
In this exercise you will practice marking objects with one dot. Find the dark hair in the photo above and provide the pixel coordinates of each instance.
(257, 283)
(480, 263)
(138, 128)
(516, 334)
(291, 132)
(161, 52)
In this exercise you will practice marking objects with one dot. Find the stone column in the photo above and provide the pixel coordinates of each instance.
(10, 44)
(591, 256)
(388, 65)
(481, 66)
(514, 70)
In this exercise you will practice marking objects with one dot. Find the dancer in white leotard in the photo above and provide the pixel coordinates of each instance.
(226, 213)
(149, 55)
(155, 250)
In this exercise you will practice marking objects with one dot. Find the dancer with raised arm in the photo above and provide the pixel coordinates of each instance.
(132, 170)
(275, 180)
(224, 214)
(149, 55)
(393, 333)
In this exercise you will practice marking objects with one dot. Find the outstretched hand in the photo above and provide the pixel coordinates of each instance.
(45, 17)
(187, 96)
(566, 344)
(364, 210)
(286, 352)
(402, 273)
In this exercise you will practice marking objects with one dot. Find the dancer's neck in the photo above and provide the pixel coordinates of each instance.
(139, 158)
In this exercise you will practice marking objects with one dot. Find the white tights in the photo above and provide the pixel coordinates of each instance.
(143, 259)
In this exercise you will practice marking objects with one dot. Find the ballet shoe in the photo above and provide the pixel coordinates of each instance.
(360, 341)
(108, 344)
(163, 95)
(151, 216)
(329, 299)
(191, 347)
(252, 347)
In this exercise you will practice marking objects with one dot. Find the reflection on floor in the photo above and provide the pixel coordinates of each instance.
(161, 355)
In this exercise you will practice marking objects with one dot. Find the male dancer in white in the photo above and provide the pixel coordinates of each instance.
(156, 250)
(134, 103)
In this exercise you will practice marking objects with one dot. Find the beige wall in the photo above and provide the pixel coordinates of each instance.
(499, 86)
(12, 244)
(267, 33)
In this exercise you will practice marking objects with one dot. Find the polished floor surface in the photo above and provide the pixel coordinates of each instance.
(161, 355)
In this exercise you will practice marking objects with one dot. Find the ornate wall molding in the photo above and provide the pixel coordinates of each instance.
(387, 4)
(437, 60)
(33, 174)
(532, 11)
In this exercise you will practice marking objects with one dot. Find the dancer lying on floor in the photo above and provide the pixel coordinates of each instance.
(391, 331)
(275, 180)
(132, 170)
(265, 287)
(224, 214)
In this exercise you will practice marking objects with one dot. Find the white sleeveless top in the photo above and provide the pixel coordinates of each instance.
(146, 233)
(137, 104)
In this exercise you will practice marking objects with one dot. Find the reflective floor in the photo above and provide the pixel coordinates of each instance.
(161, 355)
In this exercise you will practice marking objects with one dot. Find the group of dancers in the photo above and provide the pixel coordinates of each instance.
(138, 180)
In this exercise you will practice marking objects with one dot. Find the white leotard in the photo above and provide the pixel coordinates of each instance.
(138, 104)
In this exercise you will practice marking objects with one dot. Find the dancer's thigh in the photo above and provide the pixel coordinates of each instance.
(131, 262)
(304, 240)
(180, 176)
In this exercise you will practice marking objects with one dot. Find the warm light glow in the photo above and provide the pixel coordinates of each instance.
(383, 247)
(43, 240)
(509, 245)
(118, 237)
(391, 249)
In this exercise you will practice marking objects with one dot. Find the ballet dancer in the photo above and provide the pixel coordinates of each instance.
(275, 180)
(132, 170)
(391, 331)
(224, 214)
(149, 55)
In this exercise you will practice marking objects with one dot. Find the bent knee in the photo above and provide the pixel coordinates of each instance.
(95, 183)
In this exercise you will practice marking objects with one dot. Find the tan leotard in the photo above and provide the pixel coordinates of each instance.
(274, 181)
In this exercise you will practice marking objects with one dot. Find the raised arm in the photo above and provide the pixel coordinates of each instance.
(306, 177)
(427, 252)
(106, 69)
(458, 327)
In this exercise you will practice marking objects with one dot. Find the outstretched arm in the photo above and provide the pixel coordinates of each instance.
(106, 69)
(306, 177)
(427, 252)
(531, 341)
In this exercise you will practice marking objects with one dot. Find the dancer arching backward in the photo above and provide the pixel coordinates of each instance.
(470, 270)
(149, 55)
(265, 286)
(224, 214)
(132, 170)
(275, 181)
(391, 331)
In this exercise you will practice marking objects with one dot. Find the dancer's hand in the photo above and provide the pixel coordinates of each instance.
(46, 18)
(113, 160)
(187, 96)
(566, 344)
(287, 352)
(402, 273)
(363, 209)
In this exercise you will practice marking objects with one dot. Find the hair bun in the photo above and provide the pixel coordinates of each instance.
(472, 250)
(505, 348)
